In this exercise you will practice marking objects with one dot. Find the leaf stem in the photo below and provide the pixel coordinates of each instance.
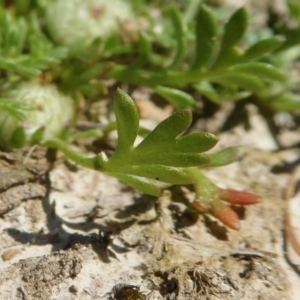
(205, 190)
(94, 163)
(152, 78)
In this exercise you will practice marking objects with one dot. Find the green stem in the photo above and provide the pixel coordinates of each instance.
(91, 133)
(94, 163)
(131, 75)
(152, 78)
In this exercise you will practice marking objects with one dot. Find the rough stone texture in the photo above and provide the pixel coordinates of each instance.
(37, 277)
(149, 248)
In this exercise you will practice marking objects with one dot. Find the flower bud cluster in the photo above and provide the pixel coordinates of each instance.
(219, 209)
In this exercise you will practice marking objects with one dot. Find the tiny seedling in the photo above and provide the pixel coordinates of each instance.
(163, 158)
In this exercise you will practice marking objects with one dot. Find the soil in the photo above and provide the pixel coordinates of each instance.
(72, 233)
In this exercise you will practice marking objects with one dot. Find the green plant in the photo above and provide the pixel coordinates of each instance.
(217, 67)
(285, 96)
(190, 53)
(294, 9)
(25, 51)
(165, 157)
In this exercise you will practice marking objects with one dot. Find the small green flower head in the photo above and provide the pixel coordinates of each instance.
(76, 23)
(49, 112)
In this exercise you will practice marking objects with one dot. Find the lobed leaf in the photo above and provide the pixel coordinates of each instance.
(160, 155)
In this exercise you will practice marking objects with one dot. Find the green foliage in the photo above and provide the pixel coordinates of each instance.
(178, 98)
(166, 157)
(156, 162)
(191, 51)
(206, 37)
(225, 157)
(14, 108)
(285, 97)
(294, 8)
(24, 49)
(185, 51)
(217, 62)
